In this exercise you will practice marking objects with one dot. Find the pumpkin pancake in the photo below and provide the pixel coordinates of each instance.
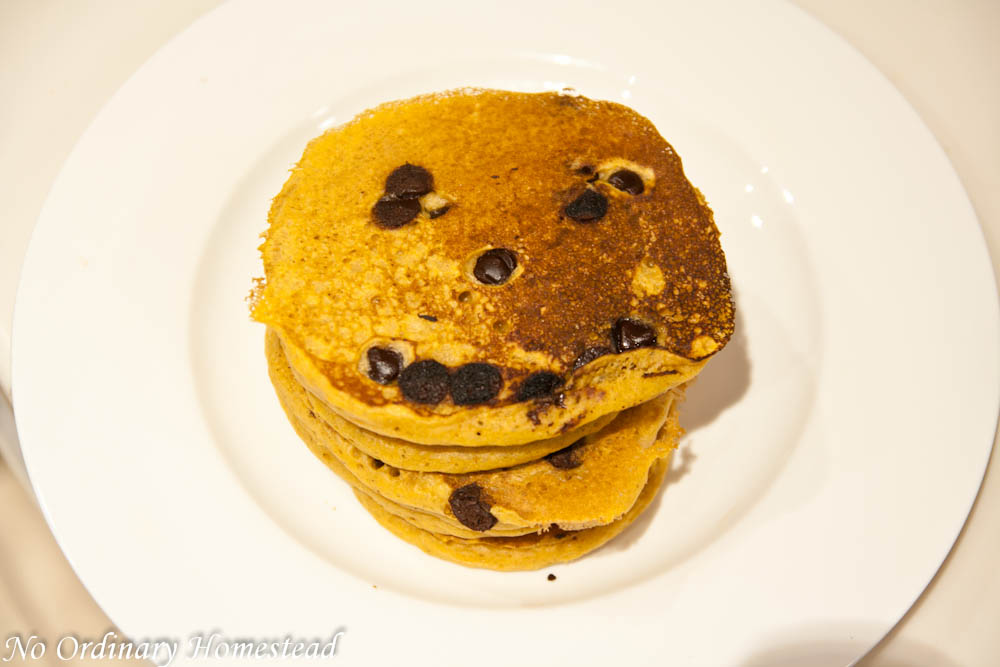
(525, 552)
(316, 435)
(434, 524)
(482, 267)
(589, 483)
(419, 517)
(438, 458)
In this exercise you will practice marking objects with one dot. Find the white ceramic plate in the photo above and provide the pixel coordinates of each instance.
(834, 448)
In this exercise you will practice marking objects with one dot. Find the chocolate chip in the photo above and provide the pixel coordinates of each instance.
(429, 318)
(566, 458)
(470, 509)
(628, 334)
(539, 384)
(495, 266)
(475, 383)
(424, 382)
(551, 577)
(392, 213)
(586, 170)
(384, 364)
(377, 464)
(588, 207)
(627, 181)
(409, 182)
(438, 212)
(589, 354)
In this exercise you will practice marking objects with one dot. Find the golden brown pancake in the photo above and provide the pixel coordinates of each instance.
(526, 552)
(437, 458)
(490, 268)
(591, 483)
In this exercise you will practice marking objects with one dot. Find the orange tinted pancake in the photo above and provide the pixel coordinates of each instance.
(508, 170)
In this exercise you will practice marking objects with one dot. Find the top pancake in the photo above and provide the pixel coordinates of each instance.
(505, 169)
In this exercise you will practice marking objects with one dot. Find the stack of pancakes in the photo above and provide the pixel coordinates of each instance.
(482, 308)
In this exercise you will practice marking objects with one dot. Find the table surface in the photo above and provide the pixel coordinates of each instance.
(60, 60)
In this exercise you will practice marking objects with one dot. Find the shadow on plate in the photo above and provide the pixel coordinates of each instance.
(722, 383)
(839, 647)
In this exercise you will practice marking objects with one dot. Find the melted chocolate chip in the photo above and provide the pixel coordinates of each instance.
(475, 383)
(424, 382)
(438, 212)
(586, 170)
(539, 384)
(392, 213)
(588, 207)
(470, 509)
(589, 354)
(384, 364)
(628, 334)
(495, 266)
(377, 464)
(627, 181)
(551, 577)
(409, 182)
(429, 318)
(566, 458)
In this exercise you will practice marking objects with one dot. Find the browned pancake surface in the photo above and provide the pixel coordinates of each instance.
(506, 165)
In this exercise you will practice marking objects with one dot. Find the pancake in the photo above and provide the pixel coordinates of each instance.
(591, 483)
(434, 524)
(526, 552)
(419, 517)
(430, 458)
(490, 268)
(316, 435)
(440, 458)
